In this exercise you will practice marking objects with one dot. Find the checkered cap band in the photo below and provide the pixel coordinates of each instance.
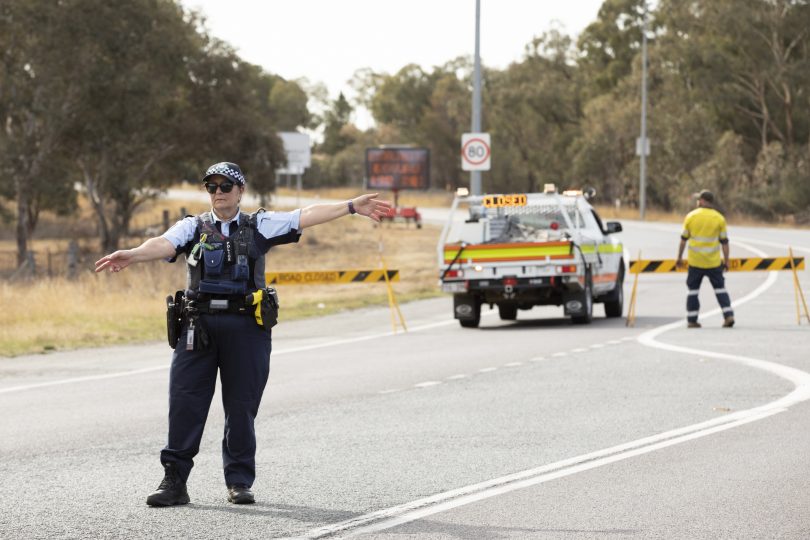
(227, 171)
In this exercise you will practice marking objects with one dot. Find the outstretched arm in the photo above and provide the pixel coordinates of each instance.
(151, 250)
(365, 205)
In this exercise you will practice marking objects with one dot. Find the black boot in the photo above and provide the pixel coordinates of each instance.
(171, 491)
(240, 494)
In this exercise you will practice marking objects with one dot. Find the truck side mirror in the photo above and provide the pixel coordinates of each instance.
(613, 227)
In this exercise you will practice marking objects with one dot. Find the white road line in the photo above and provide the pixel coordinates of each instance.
(487, 370)
(597, 346)
(274, 354)
(391, 391)
(767, 243)
(513, 364)
(581, 349)
(81, 379)
(404, 513)
(391, 517)
(614, 342)
(456, 377)
(427, 384)
(559, 354)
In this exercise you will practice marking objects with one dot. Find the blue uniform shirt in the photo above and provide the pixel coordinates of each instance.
(270, 225)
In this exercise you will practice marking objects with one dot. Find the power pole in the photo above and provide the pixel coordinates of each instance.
(643, 145)
(475, 176)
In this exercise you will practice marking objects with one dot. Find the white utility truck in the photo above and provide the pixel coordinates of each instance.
(518, 251)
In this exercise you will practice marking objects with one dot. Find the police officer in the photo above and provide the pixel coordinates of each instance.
(704, 229)
(224, 250)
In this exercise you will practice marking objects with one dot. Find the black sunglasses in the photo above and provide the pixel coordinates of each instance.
(225, 187)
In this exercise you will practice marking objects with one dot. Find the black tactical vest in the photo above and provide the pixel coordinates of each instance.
(224, 266)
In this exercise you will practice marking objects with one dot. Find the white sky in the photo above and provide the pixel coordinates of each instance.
(327, 40)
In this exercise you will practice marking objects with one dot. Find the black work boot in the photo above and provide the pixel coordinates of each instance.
(240, 494)
(171, 491)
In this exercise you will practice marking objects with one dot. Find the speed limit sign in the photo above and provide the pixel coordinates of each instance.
(475, 152)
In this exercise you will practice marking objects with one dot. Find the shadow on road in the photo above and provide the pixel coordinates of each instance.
(306, 514)
(562, 322)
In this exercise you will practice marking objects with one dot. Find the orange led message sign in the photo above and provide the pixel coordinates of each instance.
(398, 168)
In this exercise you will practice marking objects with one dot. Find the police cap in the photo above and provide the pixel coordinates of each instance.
(227, 169)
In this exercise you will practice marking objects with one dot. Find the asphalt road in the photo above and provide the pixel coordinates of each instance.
(526, 429)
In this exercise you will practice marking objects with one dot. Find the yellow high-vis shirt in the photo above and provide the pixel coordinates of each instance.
(704, 229)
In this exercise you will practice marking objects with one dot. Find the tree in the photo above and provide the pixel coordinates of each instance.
(288, 105)
(402, 99)
(336, 119)
(608, 45)
(231, 117)
(35, 105)
(162, 100)
(749, 61)
(536, 111)
(130, 65)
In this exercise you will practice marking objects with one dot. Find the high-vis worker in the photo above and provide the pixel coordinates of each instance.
(222, 322)
(704, 231)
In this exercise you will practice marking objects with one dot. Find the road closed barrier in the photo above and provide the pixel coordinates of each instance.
(330, 277)
(342, 277)
(750, 264)
(734, 265)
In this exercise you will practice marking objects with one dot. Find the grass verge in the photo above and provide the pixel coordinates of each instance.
(129, 307)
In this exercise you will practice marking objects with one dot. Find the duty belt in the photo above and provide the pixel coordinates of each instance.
(217, 305)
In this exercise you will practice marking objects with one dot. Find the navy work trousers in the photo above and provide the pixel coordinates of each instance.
(693, 280)
(240, 350)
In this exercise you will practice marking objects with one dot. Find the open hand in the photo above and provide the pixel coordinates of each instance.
(115, 262)
(367, 205)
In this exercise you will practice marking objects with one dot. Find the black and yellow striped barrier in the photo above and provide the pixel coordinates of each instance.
(751, 264)
(330, 276)
(734, 265)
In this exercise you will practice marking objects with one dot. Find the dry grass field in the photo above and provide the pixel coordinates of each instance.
(103, 309)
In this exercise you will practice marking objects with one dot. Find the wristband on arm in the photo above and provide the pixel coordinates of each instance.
(351, 208)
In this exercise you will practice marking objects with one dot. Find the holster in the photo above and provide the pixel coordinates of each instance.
(269, 308)
(174, 317)
(264, 304)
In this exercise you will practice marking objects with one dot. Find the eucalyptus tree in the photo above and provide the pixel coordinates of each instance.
(37, 100)
(535, 111)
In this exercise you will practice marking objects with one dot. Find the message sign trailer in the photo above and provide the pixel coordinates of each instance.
(398, 167)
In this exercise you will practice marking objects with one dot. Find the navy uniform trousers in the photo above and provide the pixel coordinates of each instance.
(694, 277)
(240, 350)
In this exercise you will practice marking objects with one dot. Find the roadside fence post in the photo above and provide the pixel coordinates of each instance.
(72, 259)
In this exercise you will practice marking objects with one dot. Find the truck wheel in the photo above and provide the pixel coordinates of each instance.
(508, 312)
(470, 323)
(615, 306)
(587, 300)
